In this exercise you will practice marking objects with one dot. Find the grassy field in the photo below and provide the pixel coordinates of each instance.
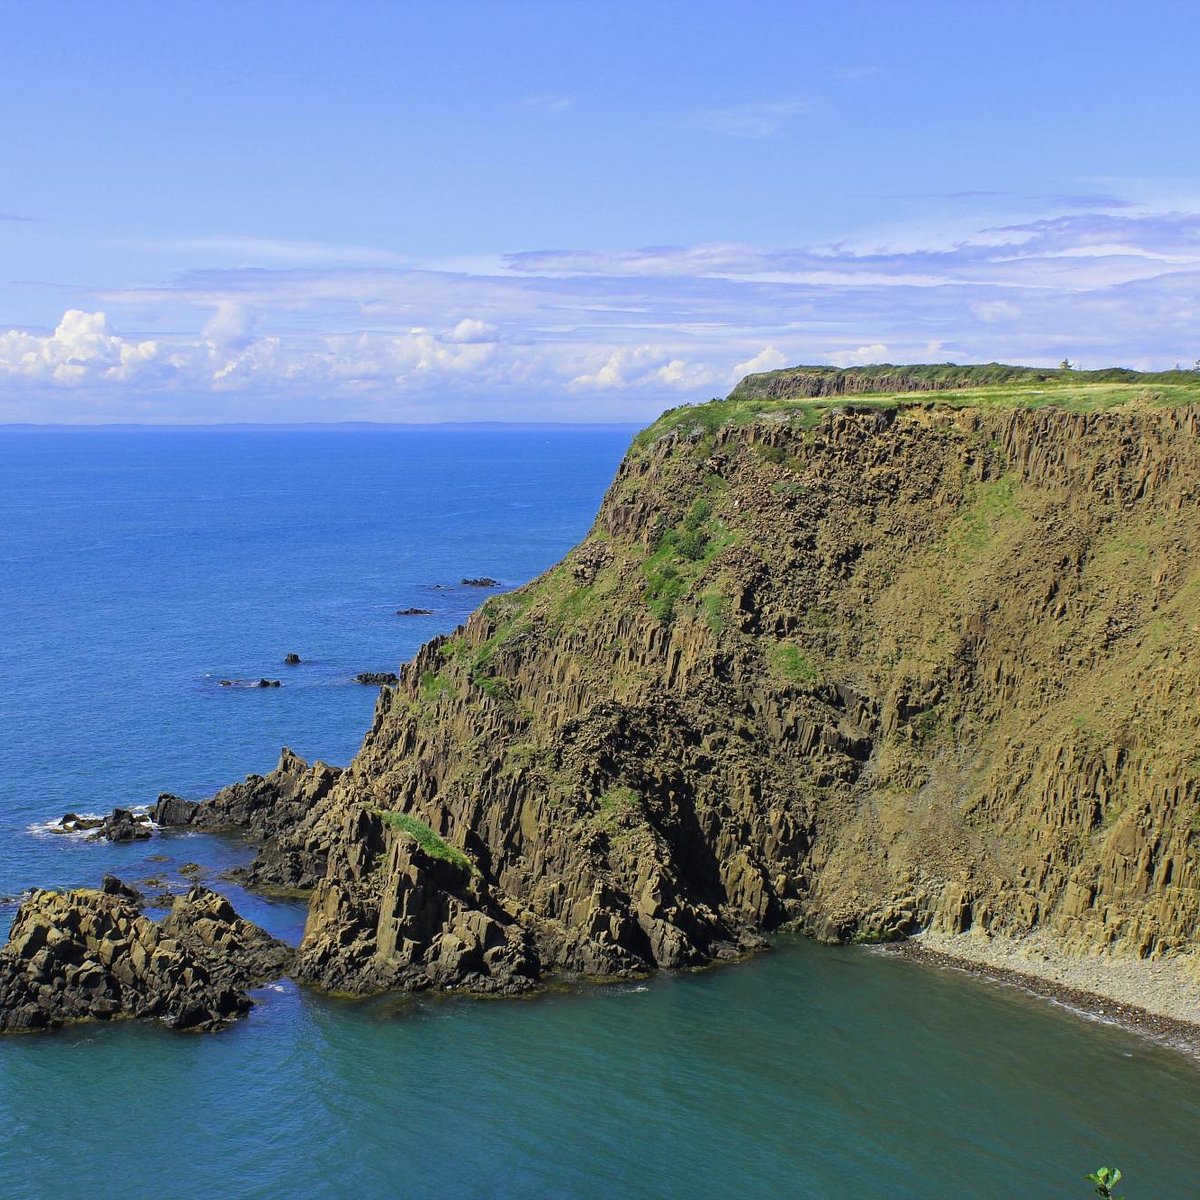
(990, 386)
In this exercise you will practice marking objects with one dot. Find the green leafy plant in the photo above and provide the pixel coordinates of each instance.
(1105, 1179)
(429, 841)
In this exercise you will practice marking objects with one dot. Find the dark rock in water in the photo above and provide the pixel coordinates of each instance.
(172, 810)
(377, 678)
(73, 823)
(227, 683)
(483, 581)
(268, 683)
(112, 886)
(291, 660)
(93, 955)
(121, 825)
(414, 612)
(191, 868)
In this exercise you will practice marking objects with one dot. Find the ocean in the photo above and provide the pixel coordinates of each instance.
(138, 568)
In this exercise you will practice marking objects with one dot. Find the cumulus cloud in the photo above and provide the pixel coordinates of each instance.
(638, 366)
(472, 330)
(767, 359)
(863, 356)
(80, 350)
(230, 326)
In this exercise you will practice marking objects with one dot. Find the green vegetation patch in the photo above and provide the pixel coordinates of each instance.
(789, 662)
(433, 686)
(617, 806)
(991, 511)
(681, 555)
(429, 841)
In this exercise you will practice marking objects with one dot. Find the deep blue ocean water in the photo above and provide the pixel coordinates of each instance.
(137, 569)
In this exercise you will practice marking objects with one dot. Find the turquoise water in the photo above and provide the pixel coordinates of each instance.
(136, 569)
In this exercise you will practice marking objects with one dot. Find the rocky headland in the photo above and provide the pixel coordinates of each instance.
(868, 653)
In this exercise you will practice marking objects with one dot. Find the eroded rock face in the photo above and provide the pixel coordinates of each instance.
(93, 955)
(435, 923)
(888, 670)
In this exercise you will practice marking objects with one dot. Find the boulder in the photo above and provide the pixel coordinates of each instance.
(291, 660)
(121, 825)
(414, 612)
(172, 811)
(377, 678)
(482, 581)
(112, 886)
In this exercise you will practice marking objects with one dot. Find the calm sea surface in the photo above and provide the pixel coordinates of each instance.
(137, 569)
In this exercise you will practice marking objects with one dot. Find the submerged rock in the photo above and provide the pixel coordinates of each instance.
(482, 581)
(74, 823)
(93, 955)
(414, 612)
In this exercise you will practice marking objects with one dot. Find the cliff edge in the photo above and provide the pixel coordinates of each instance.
(869, 666)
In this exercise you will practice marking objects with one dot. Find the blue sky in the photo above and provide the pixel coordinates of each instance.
(456, 211)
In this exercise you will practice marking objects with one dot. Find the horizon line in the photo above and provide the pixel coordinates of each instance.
(180, 426)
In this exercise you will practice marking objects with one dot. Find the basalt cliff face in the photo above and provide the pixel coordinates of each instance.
(865, 669)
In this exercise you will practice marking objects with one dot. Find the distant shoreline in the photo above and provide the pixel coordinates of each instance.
(328, 427)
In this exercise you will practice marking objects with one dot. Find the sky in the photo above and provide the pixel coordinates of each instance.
(450, 211)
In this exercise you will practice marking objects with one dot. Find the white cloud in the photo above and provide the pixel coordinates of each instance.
(767, 359)
(863, 356)
(230, 325)
(471, 329)
(80, 350)
(613, 334)
(995, 311)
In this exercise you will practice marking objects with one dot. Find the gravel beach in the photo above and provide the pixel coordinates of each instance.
(1157, 998)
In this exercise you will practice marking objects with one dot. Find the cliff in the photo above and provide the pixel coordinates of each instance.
(918, 662)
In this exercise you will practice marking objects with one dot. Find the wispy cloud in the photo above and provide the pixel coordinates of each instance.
(550, 102)
(615, 334)
(758, 121)
(260, 250)
(856, 74)
(15, 217)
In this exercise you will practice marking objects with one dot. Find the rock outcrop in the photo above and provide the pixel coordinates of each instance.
(863, 669)
(93, 955)
(275, 811)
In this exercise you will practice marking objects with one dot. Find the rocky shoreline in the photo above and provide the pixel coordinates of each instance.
(1155, 1000)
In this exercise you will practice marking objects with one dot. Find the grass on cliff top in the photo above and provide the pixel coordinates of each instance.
(788, 395)
(429, 841)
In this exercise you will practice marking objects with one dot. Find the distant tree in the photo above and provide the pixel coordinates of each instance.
(1197, 366)
(1066, 365)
